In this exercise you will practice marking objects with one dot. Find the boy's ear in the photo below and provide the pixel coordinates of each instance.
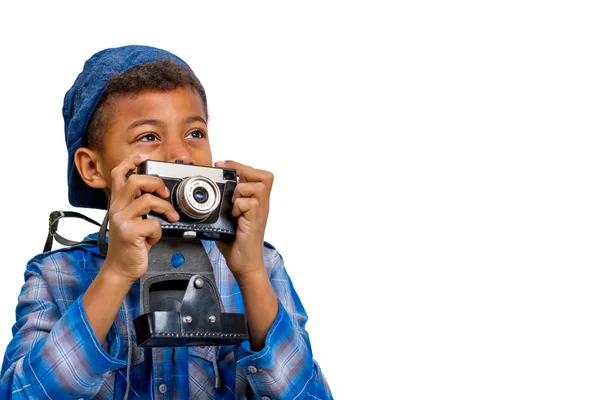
(87, 163)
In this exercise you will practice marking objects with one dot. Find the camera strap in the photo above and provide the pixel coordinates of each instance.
(56, 216)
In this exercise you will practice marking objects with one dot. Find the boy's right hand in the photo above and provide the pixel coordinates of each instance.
(131, 236)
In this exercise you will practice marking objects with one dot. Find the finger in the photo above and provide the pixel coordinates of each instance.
(146, 203)
(136, 186)
(248, 206)
(248, 174)
(155, 234)
(231, 164)
(119, 173)
(148, 228)
(139, 229)
(257, 175)
(258, 190)
(239, 168)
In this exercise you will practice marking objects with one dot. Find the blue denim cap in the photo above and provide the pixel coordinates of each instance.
(81, 101)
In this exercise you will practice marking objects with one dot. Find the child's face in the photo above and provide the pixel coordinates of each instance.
(167, 126)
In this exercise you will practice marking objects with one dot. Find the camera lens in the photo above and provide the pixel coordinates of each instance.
(200, 195)
(197, 197)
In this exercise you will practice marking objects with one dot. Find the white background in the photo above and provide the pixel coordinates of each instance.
(436, 197)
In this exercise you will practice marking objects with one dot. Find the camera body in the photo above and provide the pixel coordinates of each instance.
(201, 195)
(180, 304)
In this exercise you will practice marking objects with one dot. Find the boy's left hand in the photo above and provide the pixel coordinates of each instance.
(251, 206)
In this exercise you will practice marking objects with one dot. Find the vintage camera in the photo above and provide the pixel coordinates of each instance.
(180, 304)
(202, 197)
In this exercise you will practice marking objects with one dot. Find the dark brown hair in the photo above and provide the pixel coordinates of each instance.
(162, 76)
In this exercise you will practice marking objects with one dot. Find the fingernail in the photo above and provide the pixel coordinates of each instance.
(145, 156)
(219, 163)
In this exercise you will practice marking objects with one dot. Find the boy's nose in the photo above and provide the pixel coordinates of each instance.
(177, 152)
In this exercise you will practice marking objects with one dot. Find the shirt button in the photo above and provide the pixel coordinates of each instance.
(252, 369)
(162, 388)
(265, 398)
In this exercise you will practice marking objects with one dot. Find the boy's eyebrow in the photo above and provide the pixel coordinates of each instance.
(188, 120)
(139, 122)
(195, 118)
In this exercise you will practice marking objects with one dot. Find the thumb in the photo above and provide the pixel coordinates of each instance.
(224, 248)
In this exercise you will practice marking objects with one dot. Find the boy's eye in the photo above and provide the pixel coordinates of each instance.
(196, 134)
(149, 137)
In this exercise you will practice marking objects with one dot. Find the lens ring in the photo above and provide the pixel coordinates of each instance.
(186, 198)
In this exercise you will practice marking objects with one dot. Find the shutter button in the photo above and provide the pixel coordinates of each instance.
(162, 388)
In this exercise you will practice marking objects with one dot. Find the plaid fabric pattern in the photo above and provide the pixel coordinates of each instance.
(54, 353)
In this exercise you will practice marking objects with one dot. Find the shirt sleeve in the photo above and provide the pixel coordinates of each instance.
(284, 368)
(53, 356)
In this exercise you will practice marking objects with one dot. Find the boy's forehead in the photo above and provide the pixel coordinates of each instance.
(155, 95)
(180, 101)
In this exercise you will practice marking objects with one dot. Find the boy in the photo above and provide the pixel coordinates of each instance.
(73, 334)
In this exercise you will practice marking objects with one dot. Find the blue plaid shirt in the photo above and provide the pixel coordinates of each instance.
(54, 353)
